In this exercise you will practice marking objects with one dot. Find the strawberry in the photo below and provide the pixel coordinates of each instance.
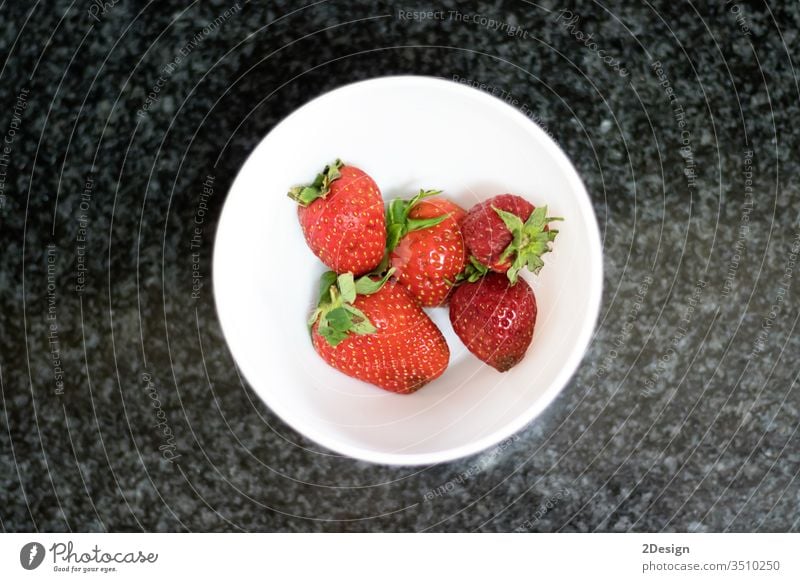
(373, 330)
(341, 214)
(494, 318)
(425, 245)
(505, 234)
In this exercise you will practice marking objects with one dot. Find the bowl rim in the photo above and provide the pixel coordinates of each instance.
(576, 354)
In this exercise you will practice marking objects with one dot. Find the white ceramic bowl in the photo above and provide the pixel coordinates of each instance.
(407, 133)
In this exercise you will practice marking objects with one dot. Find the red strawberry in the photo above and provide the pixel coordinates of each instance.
(494, 319)
(425, 244)
(505, 234)
(376, 332)
(341, 214)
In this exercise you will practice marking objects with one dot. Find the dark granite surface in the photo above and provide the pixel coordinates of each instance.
(684, 414)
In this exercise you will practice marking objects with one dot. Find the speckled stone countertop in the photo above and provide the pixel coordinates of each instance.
(681, 119)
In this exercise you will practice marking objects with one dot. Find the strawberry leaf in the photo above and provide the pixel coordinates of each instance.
(331, 335)
(422, 194)
(398, 224)
(360, 324)
(537, 219)
(515, 268)
(394, 232)
(325, 282)
(512, 221)
(535, 263)
(423, 223)
(397, 211)
(339, 319)
(314, 317)
(473, 271)
(304, 195)
(366, 286)
(363, 328)
(382, 266)
(336, 317)
(319, 188)
(531, 240)
(347, 287)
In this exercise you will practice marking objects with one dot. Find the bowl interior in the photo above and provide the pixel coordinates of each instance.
(407, 133)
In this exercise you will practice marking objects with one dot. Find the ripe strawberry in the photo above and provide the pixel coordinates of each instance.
(505, 234)
(341, 214)
(373, 330)
(425, 245)
(494, 318)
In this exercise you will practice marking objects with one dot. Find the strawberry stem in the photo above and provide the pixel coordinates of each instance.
(320, 187)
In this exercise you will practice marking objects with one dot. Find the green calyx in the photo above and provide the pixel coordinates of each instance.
(319, 188)
(473, 271)
(335, 312)
(398, 224)
(531, 240)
